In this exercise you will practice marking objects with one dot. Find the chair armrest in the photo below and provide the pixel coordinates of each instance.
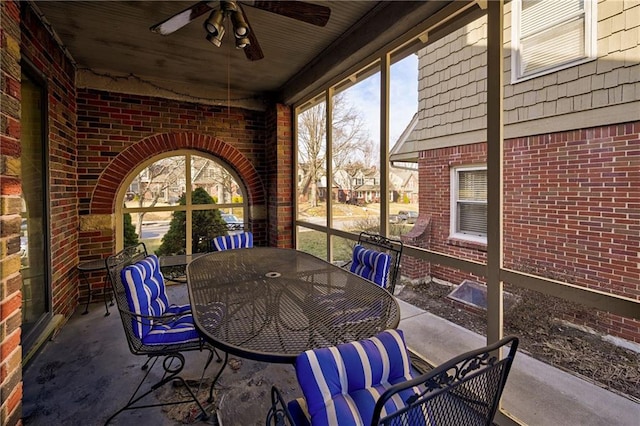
(345, 264)
(163, 319)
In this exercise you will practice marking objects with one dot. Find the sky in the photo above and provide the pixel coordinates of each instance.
(403, 99)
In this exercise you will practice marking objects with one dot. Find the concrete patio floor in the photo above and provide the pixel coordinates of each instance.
(86, 373)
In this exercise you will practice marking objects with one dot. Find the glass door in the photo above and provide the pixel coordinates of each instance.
(34, 235)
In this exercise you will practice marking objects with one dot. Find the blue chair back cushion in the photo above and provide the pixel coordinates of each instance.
(371, 264)
(341, 384)
(146, 295)
(228, 242)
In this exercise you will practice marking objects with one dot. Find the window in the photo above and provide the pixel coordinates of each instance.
(548, 35)
(174, 203)
(469, 203)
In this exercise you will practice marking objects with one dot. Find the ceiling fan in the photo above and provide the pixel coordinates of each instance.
(244, 35)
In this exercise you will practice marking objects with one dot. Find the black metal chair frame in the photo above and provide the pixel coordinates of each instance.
(448, 381)
(463, 381)
(174, 360)
(278, 414)
(391, 246)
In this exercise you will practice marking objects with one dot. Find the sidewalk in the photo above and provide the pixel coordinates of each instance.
(536, 393)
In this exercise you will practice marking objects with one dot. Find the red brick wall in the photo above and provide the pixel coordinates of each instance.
(571, 210)
(10, 206)
(117, 132)
(24, 37)
(435, 198)
(280, 176)
(43, 51)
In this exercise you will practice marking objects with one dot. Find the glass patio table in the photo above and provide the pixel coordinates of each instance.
(270, 304)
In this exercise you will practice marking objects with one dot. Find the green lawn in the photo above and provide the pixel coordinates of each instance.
(152, 244)
(315, 243)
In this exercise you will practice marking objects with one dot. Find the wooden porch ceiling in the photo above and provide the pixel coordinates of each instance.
(113, 49)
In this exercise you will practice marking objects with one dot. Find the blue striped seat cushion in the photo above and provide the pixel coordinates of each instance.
(227, 242)
(179, 330)
(146, 295)
(341, 384)
(370, 264)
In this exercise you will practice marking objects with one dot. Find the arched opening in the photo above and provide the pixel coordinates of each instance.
(176, 202)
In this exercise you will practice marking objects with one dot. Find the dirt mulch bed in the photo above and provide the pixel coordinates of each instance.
(535, 320)
(187, 412)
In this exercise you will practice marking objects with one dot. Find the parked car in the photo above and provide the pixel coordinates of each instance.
(408, 216)
(24, 244)
(394, 218)
(233, 223)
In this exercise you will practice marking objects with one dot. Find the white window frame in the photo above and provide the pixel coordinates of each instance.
(590, 41)
(454, 233)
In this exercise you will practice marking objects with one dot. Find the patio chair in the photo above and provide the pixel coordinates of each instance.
(154, 327)
(371, 382)
(236, 241)
(377, 259)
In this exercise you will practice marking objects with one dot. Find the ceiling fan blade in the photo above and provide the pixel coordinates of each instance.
(307, 12)
(253, 52)
(181, 19)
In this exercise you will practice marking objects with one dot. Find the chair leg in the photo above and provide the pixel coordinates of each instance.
(171, 374)
(146, 364)
(218, 357)
(133, 398)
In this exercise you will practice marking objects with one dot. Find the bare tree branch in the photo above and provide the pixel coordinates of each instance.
(350, 142)
(154, 182)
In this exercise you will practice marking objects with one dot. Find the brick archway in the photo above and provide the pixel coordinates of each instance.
(103, 200)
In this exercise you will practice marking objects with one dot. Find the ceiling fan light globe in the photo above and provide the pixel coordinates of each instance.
(241, 32)
(216, 39)
(242, 42)
(213, 24)
(240, 26)
(211, 29)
